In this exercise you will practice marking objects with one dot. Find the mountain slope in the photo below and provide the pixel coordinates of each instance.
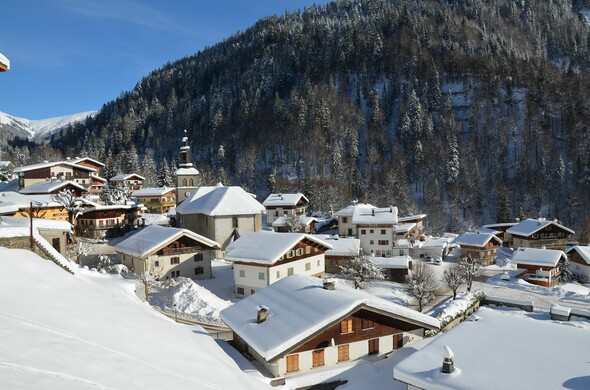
(458, 109)
(39, 130)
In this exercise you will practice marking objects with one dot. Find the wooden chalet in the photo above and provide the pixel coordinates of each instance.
(156, 200)
(343, 250)
(167, 252)
(303, 323)
(540, 233)
(285, 205)
(482, 246)
(132, 181)
(109, 221)
(53, 187)
(262, 258)
(60, 170)
(542, 265)
(579, 262)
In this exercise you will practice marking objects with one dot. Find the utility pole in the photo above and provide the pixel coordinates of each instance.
(31, 225)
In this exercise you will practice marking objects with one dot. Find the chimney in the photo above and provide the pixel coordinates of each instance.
(373, 212)
(448, 365)
(391, 209)
(261, 314)
(329, 283)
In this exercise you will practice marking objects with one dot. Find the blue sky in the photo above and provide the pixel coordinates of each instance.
(70, 56)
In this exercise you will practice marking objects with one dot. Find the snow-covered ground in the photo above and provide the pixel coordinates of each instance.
(89, 331)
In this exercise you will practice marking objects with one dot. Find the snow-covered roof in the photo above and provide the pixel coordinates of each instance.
(38, 223)
(33, 167)
(5, 163)
(348, 246)
(266, 247)
(299, 307)
(435, 242)
(97, 207)
(153, 191)
(395, 262)
(219, 201)
(49, 187)
(126, 176)
(530, 226)
(274, 200)
(488, 230)
(496, 226)
(476, 239)
(186, 171)
(78, 160)
(349, 210)
(404, 227)
(11, 201)
(365, 214)
(4, 61)
(540, 257)
(411, 218)
(402, 243)
(154, 237)
(584, 252)
(282, 221)
(530, 354)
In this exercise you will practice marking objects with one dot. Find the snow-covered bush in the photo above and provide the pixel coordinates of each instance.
(362, 270)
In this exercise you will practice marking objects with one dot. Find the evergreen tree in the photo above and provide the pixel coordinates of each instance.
(503, 211)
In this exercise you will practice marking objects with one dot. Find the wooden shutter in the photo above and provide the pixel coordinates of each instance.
(398, 340)
(343, 353)
(318, 358)
(373, 346)
(292, 363)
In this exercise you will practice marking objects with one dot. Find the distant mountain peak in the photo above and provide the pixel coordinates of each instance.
(39, 130)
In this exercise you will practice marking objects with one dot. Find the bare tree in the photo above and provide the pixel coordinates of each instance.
(423, 283)
(70, 202)
(294, 224)
(469, 268)
(362, 270)
(79, 248)
(453, 278)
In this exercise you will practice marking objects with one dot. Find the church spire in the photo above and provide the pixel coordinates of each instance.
(185, 157)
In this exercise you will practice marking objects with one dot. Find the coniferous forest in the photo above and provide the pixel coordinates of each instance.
(471, 111)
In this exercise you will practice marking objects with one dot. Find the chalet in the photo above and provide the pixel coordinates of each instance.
(395, 268)
(132, 181)
(542, 265)
(4, 63)
(285, 205)
(417, 231)
(435, 246)
(262, 258)
(156, 200)
(482, 246)
(54, 187)
(579, 262)
(539, 233)
(90, 163)
(109, 221)
(302, 323)
(500, 231)
(60, 170)
(343, 250)
(167, 252)
(220, 213)
(374, 227)
(20, 205)
(498, 336)
(294, 224)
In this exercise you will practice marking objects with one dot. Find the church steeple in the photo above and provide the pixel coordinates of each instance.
(186, 174)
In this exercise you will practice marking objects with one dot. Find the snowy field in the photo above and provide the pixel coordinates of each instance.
(90, 331)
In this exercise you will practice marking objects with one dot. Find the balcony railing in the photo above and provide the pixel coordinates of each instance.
(179, 251)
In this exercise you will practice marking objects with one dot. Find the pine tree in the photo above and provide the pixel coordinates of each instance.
(503, 212)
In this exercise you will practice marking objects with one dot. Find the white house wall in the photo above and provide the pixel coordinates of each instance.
(580, 271)
(186, 265)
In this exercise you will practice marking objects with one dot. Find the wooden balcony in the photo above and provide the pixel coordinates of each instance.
(179, 251)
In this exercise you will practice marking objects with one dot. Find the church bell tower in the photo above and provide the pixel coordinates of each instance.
(187, 175)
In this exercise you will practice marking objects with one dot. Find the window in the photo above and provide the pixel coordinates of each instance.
(307, 266)
(382, 231)
(198, 257)
(261, 275)
(184, 182)
(278, 274)
(252, 292)
(175, 274)
(383, 242)
(367, 324)
(290, 254)
(191, 182)
(242, 273)
(371, 231)
(292, 363)
(318, 262)
(277, 213)
(290, 271)
(307, 250)
(398, 340)
(199, 271)
(318, 358)
(373, 347)
(346, 326)
(174, 260)
(363, 231)
(299, 252)
(234, 222)
(240, 290)
(371, 242)
(156, 263)
(343, 353)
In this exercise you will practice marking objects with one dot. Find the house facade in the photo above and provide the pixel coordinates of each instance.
(132, 181)
(542, 265)
(167, 252)
(262, 258)
(156, 200)
(285, 205)
(579, 262)
(109, 221)
(539, 233)
(54, 187)
(61, 170)
(294, 224)
(482, 246)
(343, 250)
(222, 214)
(303, 323)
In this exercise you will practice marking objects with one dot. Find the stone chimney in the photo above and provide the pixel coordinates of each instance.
(261, 314)
(329, 283)
(448, 365)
